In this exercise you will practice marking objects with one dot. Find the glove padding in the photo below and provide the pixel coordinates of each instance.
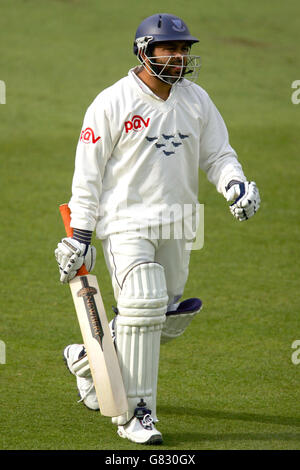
(70, 255)
(246, 199)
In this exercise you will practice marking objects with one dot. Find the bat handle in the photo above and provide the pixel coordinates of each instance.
(66, 217)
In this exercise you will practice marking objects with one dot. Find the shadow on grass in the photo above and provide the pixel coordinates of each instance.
(205, 437)
(197, 437)
(239, 437)
(231, 415)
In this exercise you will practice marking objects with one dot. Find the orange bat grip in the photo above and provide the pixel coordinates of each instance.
(66, 216)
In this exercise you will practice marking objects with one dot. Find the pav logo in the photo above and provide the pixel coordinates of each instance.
(136, 124)
(87, 136)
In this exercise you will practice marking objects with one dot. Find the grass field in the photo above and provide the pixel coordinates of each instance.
(229, 382)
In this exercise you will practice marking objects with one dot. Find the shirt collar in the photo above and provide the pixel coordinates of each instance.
(133, 73)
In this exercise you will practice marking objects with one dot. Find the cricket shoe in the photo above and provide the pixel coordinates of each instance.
(77, 362)
(140, 428)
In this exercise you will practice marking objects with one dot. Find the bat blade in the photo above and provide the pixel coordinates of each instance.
(97, 339)
(99, 346)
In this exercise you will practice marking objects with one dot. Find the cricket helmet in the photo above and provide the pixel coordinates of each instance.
(164, 28)
(159, 28)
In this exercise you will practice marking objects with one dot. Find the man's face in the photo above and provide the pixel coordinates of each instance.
(170, 59)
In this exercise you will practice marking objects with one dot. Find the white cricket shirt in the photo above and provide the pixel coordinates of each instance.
(138, 156)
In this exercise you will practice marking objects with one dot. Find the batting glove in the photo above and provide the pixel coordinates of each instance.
(70, 255)
(245, 197)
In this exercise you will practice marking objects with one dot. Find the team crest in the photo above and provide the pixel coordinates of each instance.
(168, 144)
(178, 26)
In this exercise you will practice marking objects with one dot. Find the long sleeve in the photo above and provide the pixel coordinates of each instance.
(217, 158)
(93, 151)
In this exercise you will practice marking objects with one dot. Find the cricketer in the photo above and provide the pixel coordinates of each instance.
(142, 143)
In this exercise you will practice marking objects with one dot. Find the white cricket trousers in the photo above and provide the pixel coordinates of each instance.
(122, 251)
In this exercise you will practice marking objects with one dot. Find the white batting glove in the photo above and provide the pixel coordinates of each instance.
(70, 255)
(246, 199)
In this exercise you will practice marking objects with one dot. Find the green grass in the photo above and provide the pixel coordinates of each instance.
(229, 382)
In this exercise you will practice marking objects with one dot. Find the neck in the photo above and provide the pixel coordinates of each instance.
(161, 89)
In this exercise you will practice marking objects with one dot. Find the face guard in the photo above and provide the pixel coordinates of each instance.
(170, 69)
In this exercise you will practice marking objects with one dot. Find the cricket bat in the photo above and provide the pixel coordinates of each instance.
(101, 353)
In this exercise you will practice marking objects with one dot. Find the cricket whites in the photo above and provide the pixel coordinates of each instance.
(96, 336)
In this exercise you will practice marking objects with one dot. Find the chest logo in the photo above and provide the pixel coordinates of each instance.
(136, 124)
(168, 143)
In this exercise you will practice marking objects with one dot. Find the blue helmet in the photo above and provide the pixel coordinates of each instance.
(162, 27)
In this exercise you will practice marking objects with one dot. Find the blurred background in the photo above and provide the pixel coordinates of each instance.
(229, 381)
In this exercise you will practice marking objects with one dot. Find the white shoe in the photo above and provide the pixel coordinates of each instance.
(76, 361)
(140, 429)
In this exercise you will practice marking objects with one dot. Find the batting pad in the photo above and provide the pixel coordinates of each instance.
(142, 306)
(178, 320)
